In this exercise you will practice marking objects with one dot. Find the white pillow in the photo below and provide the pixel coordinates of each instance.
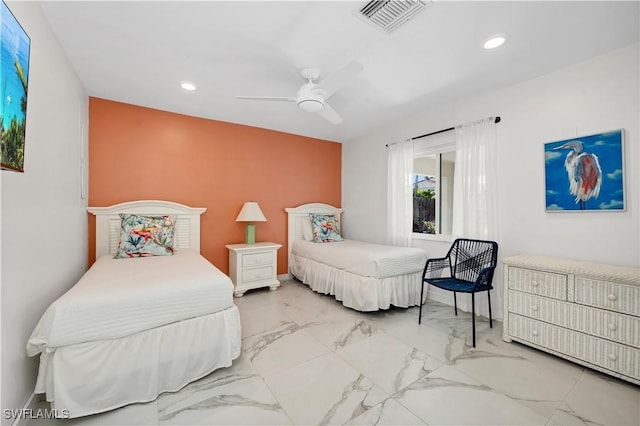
(307, 231)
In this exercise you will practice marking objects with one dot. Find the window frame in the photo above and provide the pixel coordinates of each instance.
(436, 144)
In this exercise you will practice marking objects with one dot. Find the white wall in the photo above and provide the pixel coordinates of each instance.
(44, 218)
(598, 95)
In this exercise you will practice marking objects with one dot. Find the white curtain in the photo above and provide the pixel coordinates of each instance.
(475, 188)
(400, 194)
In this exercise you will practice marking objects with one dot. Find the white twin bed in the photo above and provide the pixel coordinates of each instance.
(133, 328)
(363, 276)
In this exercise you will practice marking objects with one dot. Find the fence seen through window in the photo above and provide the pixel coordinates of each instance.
(433, 193)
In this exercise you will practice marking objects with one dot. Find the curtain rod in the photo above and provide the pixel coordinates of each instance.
(440, 131)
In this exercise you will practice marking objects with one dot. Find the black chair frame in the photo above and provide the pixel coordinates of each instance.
(468, 267)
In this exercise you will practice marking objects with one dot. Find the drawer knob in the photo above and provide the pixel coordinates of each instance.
(534, 283)
(534, 308)
(612, 327)
(535, 332)
(613, 357)
(611, 296)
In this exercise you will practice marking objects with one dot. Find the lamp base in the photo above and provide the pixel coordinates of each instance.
(251, 234)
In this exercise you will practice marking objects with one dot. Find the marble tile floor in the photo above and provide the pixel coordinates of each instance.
(308, 360)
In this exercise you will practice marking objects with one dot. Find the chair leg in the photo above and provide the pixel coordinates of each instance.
(455, 303)
(473, 318)
(489, 299)
(421, 293)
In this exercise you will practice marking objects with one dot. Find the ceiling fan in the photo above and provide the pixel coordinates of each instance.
(313, 95)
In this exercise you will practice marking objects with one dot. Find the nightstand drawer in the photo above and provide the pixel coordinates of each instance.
(538, 282)
(253, 266)
(257, 274)
(250, 260)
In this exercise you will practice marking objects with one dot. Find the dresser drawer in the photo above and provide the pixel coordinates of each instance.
(250, 260)
(597, 322)
(537, 282)
(608, 295)
(257, 274)
(603, 353)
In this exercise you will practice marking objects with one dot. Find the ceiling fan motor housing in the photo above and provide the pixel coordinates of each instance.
(310, 99)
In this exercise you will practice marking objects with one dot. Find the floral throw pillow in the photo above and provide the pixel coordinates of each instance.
(326, 228)
(142, 236)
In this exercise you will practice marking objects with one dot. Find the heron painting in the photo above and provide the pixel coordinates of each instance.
(585, 173)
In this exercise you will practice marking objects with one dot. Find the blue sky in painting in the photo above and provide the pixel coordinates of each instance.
(608, 147)
(14, 43)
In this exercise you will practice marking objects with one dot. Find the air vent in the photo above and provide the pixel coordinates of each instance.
(388, 15)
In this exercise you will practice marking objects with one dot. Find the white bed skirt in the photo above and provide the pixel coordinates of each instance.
(93, 377)
(355, 291)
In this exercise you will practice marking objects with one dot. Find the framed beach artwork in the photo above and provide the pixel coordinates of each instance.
(14, 78)
(585, 173)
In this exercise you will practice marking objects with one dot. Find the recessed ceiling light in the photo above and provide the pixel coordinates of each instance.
(494, 41)
(187, 85)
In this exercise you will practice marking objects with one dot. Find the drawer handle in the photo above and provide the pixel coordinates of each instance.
(535, 332)
(611, 297)
(534, 308)
(613, 357)
(612, 327)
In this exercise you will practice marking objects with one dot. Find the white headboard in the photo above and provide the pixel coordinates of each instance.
(295, 215)
(187, 230)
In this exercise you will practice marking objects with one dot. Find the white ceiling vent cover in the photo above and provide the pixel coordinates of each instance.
(387, 15)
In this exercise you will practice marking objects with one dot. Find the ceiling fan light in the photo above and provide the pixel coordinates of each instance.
(310, 105)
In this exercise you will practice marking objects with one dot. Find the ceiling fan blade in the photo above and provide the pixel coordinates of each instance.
(330, 114)
(268, 98)
(335, 81)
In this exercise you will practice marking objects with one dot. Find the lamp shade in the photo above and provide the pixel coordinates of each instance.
(251, 213)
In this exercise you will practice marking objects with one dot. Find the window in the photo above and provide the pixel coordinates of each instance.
(433, 173)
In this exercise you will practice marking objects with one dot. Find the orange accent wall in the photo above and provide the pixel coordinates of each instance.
(140, 153)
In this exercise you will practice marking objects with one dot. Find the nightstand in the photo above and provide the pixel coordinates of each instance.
(253, 266)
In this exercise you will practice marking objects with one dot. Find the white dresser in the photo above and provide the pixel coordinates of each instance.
(253, 266)
(586, 312)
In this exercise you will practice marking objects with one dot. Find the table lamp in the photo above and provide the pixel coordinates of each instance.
(251, 213)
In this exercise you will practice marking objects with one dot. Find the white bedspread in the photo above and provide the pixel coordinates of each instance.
(120, 297)
(365, 259)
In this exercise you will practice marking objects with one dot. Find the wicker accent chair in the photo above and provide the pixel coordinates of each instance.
(468, 267)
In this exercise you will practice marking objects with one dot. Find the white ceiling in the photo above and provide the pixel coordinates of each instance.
(138, 52)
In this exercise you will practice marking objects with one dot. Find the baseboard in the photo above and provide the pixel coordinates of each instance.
(30, 406)
(285, 277)
(444, 297)
(464, 303)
